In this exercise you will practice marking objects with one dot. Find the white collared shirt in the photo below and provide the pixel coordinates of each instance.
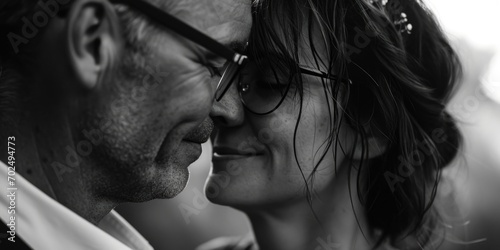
(43, 223)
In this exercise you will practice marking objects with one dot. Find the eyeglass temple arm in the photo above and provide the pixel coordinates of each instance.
(182, 28)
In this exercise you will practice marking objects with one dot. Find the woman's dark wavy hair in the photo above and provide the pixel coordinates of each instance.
(400, 85)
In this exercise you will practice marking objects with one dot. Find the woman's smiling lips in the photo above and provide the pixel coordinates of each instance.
(225, 152)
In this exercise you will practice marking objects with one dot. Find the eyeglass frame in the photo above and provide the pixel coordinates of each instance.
(235, 61)
(303, 70)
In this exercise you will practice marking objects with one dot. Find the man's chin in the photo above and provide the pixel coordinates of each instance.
(163, 179)
(173, 183)
(163, 183)
(175, 173)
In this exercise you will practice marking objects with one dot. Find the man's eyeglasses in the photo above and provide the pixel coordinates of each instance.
(235, 61)
(262, 98)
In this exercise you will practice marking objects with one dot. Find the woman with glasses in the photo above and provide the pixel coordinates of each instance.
(334, 135)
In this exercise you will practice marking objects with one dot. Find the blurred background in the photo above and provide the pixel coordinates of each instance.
(189, 219)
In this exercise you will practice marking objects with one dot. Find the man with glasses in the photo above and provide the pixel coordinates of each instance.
(104, 102)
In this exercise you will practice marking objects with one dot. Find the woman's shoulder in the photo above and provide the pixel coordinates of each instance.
(229, 243)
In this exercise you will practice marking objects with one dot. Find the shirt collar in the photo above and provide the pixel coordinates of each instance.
(43, 223)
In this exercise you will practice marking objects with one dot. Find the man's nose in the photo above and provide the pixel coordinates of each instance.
(229, 111)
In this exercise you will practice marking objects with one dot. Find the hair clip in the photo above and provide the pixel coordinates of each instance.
(383, 2)
(401, 21)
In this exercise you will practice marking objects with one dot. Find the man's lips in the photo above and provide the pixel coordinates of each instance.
(202, 133)
(192, 141)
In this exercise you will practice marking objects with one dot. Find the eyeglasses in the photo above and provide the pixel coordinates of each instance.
(235, 61)
(262, 98)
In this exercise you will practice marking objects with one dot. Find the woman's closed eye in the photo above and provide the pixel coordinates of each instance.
(264, 87)
(271, 85)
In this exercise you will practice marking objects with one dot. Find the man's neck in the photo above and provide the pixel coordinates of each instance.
(42, 159)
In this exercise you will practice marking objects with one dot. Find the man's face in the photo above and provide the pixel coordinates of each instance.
(153, 115)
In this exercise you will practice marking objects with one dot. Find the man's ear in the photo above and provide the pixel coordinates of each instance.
(376, 145)
(94, 40)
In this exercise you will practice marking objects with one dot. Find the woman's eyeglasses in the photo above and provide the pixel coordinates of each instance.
(235, 61)
(262, 97)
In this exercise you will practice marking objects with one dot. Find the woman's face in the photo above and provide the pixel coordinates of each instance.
(254, 162)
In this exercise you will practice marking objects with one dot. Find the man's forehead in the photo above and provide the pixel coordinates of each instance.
(224, 20)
